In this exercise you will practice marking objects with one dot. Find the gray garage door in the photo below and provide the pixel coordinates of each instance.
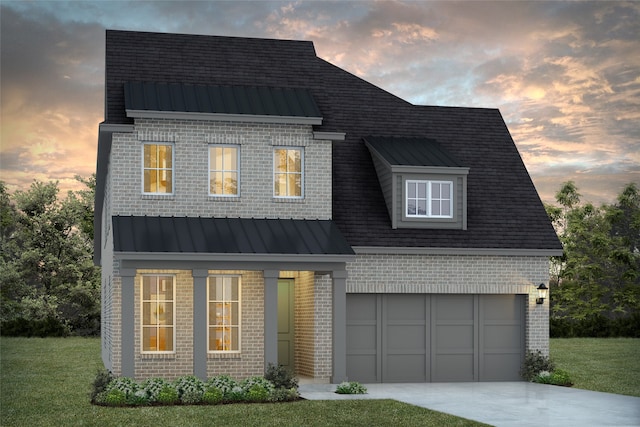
(432, 338)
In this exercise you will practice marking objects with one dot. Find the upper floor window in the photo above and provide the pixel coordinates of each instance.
(288, 175)
(224, 313)
(429, 199)
(158, 314)
(157, 168)
(224, 170)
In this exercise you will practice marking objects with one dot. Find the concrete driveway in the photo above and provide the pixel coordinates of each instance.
(503, 403)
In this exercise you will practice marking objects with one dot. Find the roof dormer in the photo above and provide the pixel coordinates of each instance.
(423, 185)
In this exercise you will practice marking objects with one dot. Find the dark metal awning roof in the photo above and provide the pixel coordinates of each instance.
(234, 103)
(400, 151)
(197, 235)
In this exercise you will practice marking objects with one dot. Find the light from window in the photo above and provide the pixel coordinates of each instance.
(158, 317)
(287, 172)
(158, 168)
(223, 170)
(429, 199)
(224, 313)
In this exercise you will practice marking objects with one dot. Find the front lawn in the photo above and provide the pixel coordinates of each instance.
(47, 381)
(600, 364)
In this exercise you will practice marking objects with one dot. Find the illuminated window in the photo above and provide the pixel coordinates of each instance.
(288, 172)
(429, 199)
(224, 313)
(224, 166)
(157, 168)
(158, 314)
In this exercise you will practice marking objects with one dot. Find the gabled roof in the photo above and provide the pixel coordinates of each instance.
(503, 207)
(399, 151)
(229, 103)
(227, 236)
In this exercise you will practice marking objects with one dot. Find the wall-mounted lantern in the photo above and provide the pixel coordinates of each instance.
(542, 293)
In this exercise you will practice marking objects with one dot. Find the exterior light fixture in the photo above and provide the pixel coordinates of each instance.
(542, 293)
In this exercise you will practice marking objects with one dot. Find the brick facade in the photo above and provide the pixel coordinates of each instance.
(459, 274)
(190, 197)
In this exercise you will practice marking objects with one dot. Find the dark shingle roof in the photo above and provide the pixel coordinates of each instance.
(227, 236)
(250, 100)
(504, 210)
(411, 151)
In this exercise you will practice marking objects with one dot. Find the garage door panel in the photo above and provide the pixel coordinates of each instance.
(456, 308)
(453, 367)
(406, 337)
(361, 337)
(405, 308)
(405, 368)
(454, 336)
(501, 367)
(362, 368)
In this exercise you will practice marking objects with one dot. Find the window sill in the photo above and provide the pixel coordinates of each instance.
(158, 196)
(288, 199)
(224, 356)
(158, 356)
(230, 199)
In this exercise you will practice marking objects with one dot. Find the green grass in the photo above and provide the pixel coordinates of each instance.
(600, 364)
(47, 381)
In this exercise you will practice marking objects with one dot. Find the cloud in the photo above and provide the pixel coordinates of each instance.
(563, 74)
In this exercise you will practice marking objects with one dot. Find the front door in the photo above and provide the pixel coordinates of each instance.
(286, 334)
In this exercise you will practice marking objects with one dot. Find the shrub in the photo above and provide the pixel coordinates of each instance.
(257, 389)
(152, 388)
(284, 394)
(280, 377)
(190, 389)
(534, 364)
(114, 397)
(126, 385)
(557, 377)
(352, 387)
(224, 383)
(212, 396)
(100, 383)
(168, 395)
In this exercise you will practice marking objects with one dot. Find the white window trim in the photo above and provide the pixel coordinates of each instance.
(429, 198)
(237, 170)
(209, 326)
(172, 169)
(142, 300)
(273, 175)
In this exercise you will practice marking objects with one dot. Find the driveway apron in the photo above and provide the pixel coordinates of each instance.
(503, 403)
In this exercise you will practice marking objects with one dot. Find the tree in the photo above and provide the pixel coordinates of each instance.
(48, 284)
(598, 274)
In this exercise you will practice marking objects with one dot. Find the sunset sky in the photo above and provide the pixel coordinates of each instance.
(565, 75)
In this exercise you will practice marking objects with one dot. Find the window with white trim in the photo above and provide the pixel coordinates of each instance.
(288, 175)
(429, 199)
(157, 168)
(223, 297)
(158, 313)
(224, 170)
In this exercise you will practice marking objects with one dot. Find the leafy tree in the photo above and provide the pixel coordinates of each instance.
(48, 283)
(598, 277)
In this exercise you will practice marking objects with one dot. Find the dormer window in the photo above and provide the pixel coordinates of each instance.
(429, 199)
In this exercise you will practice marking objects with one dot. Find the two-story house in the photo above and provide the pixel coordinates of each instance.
(256, 204)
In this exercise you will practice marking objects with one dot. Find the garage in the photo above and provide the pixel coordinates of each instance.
(434, 338)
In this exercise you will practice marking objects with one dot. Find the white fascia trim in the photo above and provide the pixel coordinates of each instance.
(444, 170)
(185, 256)
(331, 136)
(110, 127)
(222, 117)
(362, 250)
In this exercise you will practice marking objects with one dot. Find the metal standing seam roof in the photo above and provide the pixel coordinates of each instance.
(228, 236)
(243, 100)
(398, 151)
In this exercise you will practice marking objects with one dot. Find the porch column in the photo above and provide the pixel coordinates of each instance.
(128, 316)
(271, 316)
(339, 326)
(200, 323)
